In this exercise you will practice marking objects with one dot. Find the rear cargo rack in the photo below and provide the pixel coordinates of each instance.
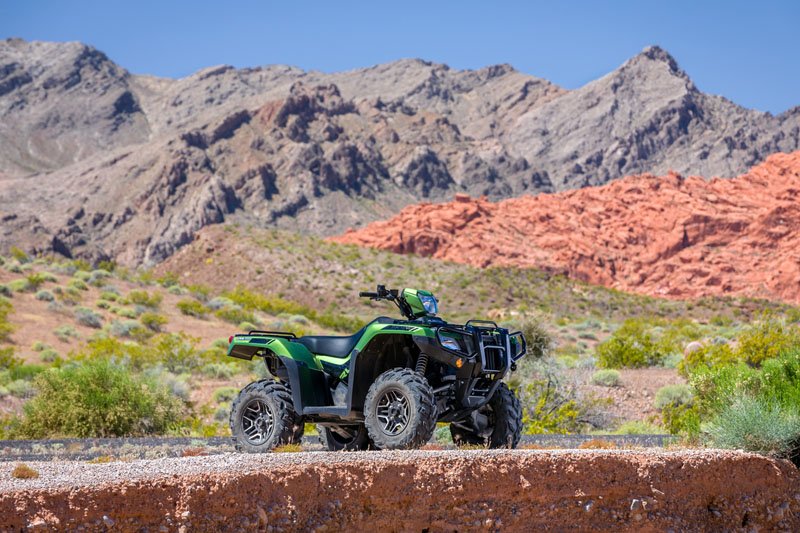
(262, 333)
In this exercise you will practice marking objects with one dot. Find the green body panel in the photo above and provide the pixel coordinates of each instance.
(412, 299)
(282, 347)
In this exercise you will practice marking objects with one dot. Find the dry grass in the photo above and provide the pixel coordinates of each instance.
(433, 446)
(23, 471)
(597, 444)
(194, 452)
(473, 447)
(288, 448)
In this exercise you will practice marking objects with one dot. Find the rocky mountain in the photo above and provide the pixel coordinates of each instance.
(663, 236)
(101, 163)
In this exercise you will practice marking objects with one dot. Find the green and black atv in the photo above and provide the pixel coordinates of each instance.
(384, 387)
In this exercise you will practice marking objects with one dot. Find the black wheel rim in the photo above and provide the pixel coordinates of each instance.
(392, 412)
(258, 422)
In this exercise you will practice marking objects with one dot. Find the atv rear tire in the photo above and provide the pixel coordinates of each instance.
(334, 441)
(263, 417)
(505, 423)
(400, 410)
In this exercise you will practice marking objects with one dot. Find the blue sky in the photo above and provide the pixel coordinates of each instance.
(748, 52)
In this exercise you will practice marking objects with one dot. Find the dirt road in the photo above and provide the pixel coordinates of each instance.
(520, 490)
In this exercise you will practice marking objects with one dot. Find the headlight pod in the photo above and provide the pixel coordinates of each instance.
(450, 344)
(429, 304)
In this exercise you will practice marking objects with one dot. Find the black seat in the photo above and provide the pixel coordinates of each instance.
(337, 346)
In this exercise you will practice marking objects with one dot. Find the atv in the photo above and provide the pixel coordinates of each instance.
(386, 386)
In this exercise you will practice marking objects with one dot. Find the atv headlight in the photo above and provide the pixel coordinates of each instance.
(451, 344)
(430, 304)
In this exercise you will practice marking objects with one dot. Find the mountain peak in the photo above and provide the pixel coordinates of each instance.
(659, 55)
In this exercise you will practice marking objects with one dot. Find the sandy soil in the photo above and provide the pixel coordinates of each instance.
(522, 490)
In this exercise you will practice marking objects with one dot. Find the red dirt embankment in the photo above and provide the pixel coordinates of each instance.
(522, 490)
(663, 236)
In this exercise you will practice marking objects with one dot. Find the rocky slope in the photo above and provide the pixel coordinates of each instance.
(100, 163)
(478, 490)
(665, 236)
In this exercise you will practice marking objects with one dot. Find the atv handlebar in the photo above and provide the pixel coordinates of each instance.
(363, 294)
(382, 293)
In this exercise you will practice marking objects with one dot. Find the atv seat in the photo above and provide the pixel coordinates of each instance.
(337, 346)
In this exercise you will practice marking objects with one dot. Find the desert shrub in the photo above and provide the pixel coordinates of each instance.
(82, 274)
(153, 321)
(125, 312)
(246, 326)
(109, 296)
(224, 394)
(25, 371)
(219, 370)
(607, 378)
(19, 254)
(77, 284)
(176, 384)
(98, 399)
(756, 425)
(236, 315)
(539, 341)
(631, 346)
(103, 304)
(87, 317)
(40, 346)
(19, 285)
(682, 419)
(219, 302)
(192, 308)
(551, 403)
(20, 388)
(64, 333)
(766, 339)
(126, 328)
(45, 296)
(140, 297)
(677, 394)
(223, 412)
(8, 360)
(6, 291)
(48, 356)
(6, 328)
(177, 290)
(442, 434)
(98, 277)
(23, 471)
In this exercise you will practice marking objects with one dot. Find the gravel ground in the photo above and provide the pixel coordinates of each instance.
(520, 490)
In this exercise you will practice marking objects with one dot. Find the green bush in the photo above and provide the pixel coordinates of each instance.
(64, 333)
(236, 315)
(6, 291)
(19, 285)
(19, 254)
(45, 296)
(677, 394)
(25, 371)
(48, 356)
(755, 425)
(153, 321)
(20, 388)
(103, 304)
(766, 339)
(77, 284)
(8, 360)
(638, 427)
(126, 328)
(87, 317)
(607, 378)
(6, 328)
(219, 370)
(192, 308)
(82, 274)
(98, 399)
(109, 296)
(538, 340)
(125, 312)
(631, 346)
(146, 299)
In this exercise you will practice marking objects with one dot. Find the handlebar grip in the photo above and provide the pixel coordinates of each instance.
(368, 294)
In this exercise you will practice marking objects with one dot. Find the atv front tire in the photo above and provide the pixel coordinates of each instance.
(332, 440)
(400, 410)
(504, 414)
(263, 417)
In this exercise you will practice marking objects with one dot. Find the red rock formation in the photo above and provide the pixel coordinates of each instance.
(664, 236)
